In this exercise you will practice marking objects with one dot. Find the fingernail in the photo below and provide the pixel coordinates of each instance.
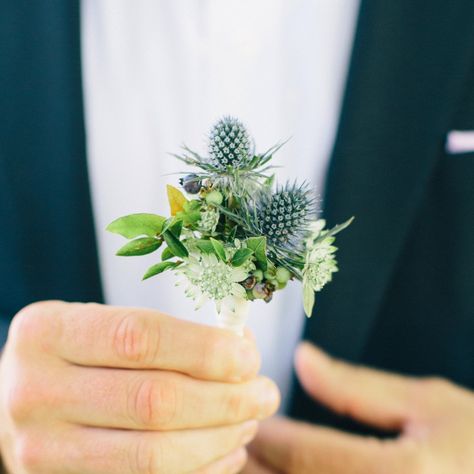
(249, 430)
(269, 398)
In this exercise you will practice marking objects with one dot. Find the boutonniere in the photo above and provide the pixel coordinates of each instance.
(234, 235)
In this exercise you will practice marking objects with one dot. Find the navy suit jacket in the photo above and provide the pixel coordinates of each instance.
(404, 298)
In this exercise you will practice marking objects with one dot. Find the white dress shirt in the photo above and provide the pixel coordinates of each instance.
(158, 73)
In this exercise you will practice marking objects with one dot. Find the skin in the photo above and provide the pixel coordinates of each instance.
(434, 418)
(89, 389)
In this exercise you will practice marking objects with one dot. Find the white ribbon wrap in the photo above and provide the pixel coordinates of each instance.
(233, 314)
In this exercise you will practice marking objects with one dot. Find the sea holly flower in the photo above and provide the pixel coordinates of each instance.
(210, 278)
(230, 145)
(283, 216)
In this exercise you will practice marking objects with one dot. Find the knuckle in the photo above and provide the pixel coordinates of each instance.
(211, 363)
(133, 341)
(153, 404)
(29, 452)
(146, 457)
(20, 398)
(228, 359)
(428, 390)
(29, 322)
(436, 384)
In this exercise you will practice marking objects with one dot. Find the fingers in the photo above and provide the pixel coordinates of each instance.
(156, 400)
(371, 396)
(292, 447)
(106, 336)
(96, 451)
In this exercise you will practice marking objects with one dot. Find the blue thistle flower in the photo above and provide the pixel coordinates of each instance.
(284, 215)
(230, 144)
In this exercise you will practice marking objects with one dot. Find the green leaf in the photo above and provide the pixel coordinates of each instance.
(191, 206)
(269, 181)
(241, 256)
(167, 254)
(134, 225)
(205, 246)
(218, 249)
(175, 245)
(259, 247)
(160, 268)
(335, 230)
(308, 299)
(140, 246)
(232, 234)
(174, 224)
(176, 227)
(190, 215)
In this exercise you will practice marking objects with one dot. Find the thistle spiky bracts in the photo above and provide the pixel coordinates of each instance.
(284, 215)
(231, 162)
(230, 145)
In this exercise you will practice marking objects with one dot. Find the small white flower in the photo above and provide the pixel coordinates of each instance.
(210, 278)
(209, 220)
(320, 263)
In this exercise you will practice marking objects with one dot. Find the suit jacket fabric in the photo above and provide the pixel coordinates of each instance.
(404, 297)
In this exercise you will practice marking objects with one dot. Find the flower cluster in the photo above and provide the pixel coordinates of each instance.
(233, 235)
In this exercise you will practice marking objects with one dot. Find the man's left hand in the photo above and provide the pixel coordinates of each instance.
(434, 417)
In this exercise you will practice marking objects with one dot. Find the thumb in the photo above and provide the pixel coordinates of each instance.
(370, 396)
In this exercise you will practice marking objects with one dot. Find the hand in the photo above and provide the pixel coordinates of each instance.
(86, 388)
(434, 417)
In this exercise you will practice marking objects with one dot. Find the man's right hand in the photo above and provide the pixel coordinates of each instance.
(89, 389)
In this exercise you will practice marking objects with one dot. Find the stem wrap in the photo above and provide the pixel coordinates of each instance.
(233, 315)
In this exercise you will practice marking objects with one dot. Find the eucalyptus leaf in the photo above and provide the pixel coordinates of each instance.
(160, 268)
(175, 245)
(135, 225)
(140, 246)
(218, 249)
(167, 254)
(259, 247)
(241, 256)
(308, 299)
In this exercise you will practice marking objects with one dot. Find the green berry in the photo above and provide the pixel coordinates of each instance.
(215, 198)
(258, 274)
(282, 275)
(274, 283)
(269, 274)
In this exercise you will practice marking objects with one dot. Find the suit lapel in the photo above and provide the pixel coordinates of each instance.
(409, 66)
(48, 246)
